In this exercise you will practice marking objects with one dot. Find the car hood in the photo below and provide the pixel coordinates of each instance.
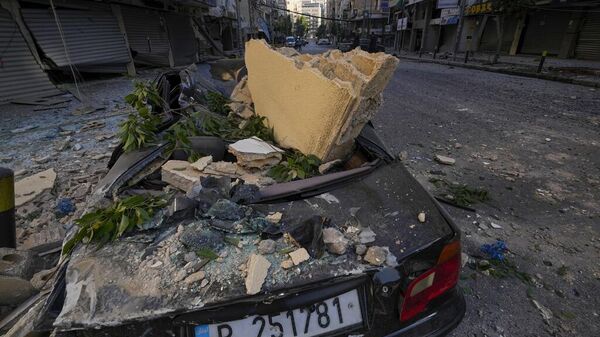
(139, 277)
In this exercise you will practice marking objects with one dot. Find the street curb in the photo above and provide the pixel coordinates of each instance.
(548, 77)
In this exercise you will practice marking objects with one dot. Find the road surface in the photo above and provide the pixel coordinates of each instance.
(534, 145)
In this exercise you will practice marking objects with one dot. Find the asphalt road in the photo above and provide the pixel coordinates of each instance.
(534, 145)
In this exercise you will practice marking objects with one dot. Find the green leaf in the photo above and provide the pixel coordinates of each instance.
(207, 253)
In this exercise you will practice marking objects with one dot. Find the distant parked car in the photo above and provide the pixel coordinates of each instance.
(324, 41)
(290, 41)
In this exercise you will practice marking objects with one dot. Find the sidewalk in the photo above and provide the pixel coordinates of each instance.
(580, 72)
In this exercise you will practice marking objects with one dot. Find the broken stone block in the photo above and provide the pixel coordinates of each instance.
(366, 235)
(444, 160)
(326, 167)
(222, 168)
(30, 187)
(241, 93)
(376, 255)
(241, 109)
(257, 267)
(196, 238)
(255, 153)
(202, 163)
(317, 104)
(421, 217)
(287, 264)
(180, 174)
(15, 290)
(360, 249)
(266, 247)
(298, 256)
(18, 263)
(274, 217)
(335, 241)
(195, 277)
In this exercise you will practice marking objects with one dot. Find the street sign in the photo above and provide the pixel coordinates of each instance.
(402, 24)
(447, 4)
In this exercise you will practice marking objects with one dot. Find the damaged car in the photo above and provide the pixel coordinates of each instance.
(221, 222)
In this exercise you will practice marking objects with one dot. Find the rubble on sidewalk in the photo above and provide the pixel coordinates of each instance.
(30, 187)
(345, 91)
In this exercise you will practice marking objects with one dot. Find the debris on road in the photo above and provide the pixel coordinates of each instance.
(376, 255)
(255, 153)
(421, 217)
(335, 241)
(496, 250)
(30, 187)
(298, 256)
(445, 160)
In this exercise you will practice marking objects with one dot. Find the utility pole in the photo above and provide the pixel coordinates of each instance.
(461, 23)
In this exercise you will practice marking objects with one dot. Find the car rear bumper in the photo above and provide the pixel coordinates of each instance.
(444, 318)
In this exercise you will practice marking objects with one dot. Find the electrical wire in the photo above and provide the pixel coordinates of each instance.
(64, 43)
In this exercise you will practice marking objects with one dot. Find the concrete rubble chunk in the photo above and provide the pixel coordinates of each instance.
(360, 249)
(202, 163)
(14, 290)
(274, 217)
(366, 235)
(30, 187)
(299, 255)
(241, 99)
(42, 279)
(421, 217)
(255, 153)
(328, 166)
(287, 264)
(257, 267)
(444, 160)
(344, 91)
(266, 247)
(180, 174)
(376, 255)
(222, 168)
(335, 241)
(195, 277)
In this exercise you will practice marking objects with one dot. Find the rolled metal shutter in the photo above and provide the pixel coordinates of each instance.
(545, 31)
(92, 38)
(588, 42)
(181, 36)
(147, 35)
(20, 74)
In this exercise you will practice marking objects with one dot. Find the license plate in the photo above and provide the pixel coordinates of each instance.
(319, 318)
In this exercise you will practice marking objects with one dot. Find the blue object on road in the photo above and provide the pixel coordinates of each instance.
(65, 206)
(496, 250)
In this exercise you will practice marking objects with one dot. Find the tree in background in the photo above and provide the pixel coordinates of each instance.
(301, 26)
(284, 25)
(321, 31)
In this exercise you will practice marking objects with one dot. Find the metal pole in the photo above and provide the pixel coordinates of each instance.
(459, 30)
(8, 234)
(541, 65)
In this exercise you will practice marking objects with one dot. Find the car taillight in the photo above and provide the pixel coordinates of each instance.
(432, 283)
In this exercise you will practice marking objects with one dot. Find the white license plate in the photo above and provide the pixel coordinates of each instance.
(320, 318)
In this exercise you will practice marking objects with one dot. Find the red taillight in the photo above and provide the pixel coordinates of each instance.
(432, 283)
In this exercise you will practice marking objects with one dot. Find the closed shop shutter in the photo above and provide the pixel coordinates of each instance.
(588, 42)
(181, 36)
(544, 30)
(20, 74)
(147, 35)
(489, 38)
(92, 38)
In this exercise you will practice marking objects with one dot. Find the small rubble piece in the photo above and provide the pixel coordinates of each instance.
(444, 160)
(255, 153)
(345, 91)
(495, 225)
(299, 255)
(366, 235)
(241, 99)
(326, 167)
(179, 174)
(360, 249)
(77, 147)
(257, 267)
(224, 209)
(287, 264)
(544, 312)
(41, 279)
(266, 247)
(421, 217)
(30, 187)
(245, 193)
(195, 277)
(202, 163)
(274, 217)
(23, 129)
(376, 255)
(222, 168)
(335, 241)
(204, 283)
(196, 238)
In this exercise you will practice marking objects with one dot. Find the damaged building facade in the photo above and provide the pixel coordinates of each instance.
(41, 41)
(567, 29)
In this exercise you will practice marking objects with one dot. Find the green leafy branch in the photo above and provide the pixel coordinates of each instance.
(108, 224)
(295, 165)
(217, 103)
(233, 128)
(140, 128)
